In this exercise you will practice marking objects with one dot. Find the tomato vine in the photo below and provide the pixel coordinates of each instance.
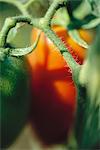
(79, 72)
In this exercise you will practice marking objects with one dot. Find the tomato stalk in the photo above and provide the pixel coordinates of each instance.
(69, 59)
(44, 24)
(52, 9)
(9, 24)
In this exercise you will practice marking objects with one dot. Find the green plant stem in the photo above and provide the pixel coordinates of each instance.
(67, 56)
(9, 24)
(24, 51)
(52, 9)
(43, 24)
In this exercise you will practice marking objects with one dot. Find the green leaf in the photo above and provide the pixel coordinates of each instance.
(88, 113)
(95, 7)
(61, 18)
(76, 37)
(93, 23)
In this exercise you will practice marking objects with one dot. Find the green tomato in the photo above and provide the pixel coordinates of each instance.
(13, 99)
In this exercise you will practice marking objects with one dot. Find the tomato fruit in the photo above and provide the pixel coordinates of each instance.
(53, 92)
(13, 99)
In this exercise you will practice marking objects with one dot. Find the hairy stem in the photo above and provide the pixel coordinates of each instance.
(67, 56)
(42, 23)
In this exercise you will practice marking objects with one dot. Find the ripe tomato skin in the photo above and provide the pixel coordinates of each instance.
(53, 92)
(13, 99)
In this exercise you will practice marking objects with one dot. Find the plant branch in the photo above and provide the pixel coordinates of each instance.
(67, 56)
(52, 9)
(24, 51)
(43, 24)
(8, 25)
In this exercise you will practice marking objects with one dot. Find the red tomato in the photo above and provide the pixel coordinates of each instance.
(52, 89)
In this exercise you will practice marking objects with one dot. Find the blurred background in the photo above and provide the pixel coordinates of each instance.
(28, 140)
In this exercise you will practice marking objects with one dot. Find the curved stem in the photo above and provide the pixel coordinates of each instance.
(43, 24)
(52, 9)
(24, 51)
(8, 25)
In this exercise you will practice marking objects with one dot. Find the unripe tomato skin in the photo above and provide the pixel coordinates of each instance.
(13, 99)
(53, 91)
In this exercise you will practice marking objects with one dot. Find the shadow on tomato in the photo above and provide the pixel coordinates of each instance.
(53, 96)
